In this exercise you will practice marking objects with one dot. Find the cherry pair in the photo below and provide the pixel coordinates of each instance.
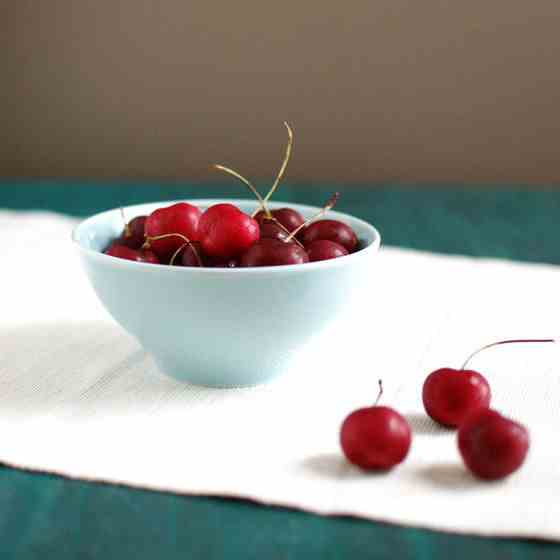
(491, 445)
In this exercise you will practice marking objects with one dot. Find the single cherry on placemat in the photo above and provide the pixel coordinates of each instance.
(451, 395)
(376, 437)
(491, 445)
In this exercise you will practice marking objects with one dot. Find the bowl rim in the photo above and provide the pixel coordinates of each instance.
(347, 260)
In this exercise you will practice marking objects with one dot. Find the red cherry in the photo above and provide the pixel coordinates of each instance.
(323, 249)
(192, 255)
(491, 445)
(333, 230)
(272, 230)
(133, 235)
(289, 218)
(450, 395)
(375, 438)
(181, 218)
(225, 231)
(273, 252)
(122, 252)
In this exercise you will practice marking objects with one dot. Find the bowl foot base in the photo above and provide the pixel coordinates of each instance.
(206, 377)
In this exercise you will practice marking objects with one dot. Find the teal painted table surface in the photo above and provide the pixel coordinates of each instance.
(46, 516)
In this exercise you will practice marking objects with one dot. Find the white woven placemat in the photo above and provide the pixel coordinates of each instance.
(79, 397)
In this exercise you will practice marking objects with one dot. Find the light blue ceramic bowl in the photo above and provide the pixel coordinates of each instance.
(223, 327)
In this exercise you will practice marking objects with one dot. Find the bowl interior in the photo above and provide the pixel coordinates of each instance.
(97, 232)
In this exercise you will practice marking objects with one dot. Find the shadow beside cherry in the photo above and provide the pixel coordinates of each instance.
(491, 445)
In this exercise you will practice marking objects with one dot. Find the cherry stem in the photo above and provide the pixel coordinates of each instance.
(181, 236)
(193, 248)
(512, 341)
(282, 167)
(328, 206)
(127, 230)
(165, 236)
(286, 230)
(249, 184)
(380, 382)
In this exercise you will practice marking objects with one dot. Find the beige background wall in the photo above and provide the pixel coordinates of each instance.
(376, 90)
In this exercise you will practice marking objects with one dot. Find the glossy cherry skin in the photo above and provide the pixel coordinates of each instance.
(323, 249)
(272, 230)
(182, 218)
(225, 232)
(332, 230)
(134, 235)
(450, 395)
(491, 445)
(273, 252)
(291, 219)
(375, 438)
(123, 252)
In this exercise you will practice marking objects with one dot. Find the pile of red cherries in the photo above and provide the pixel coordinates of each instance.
(491, 446)
(222, 236)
